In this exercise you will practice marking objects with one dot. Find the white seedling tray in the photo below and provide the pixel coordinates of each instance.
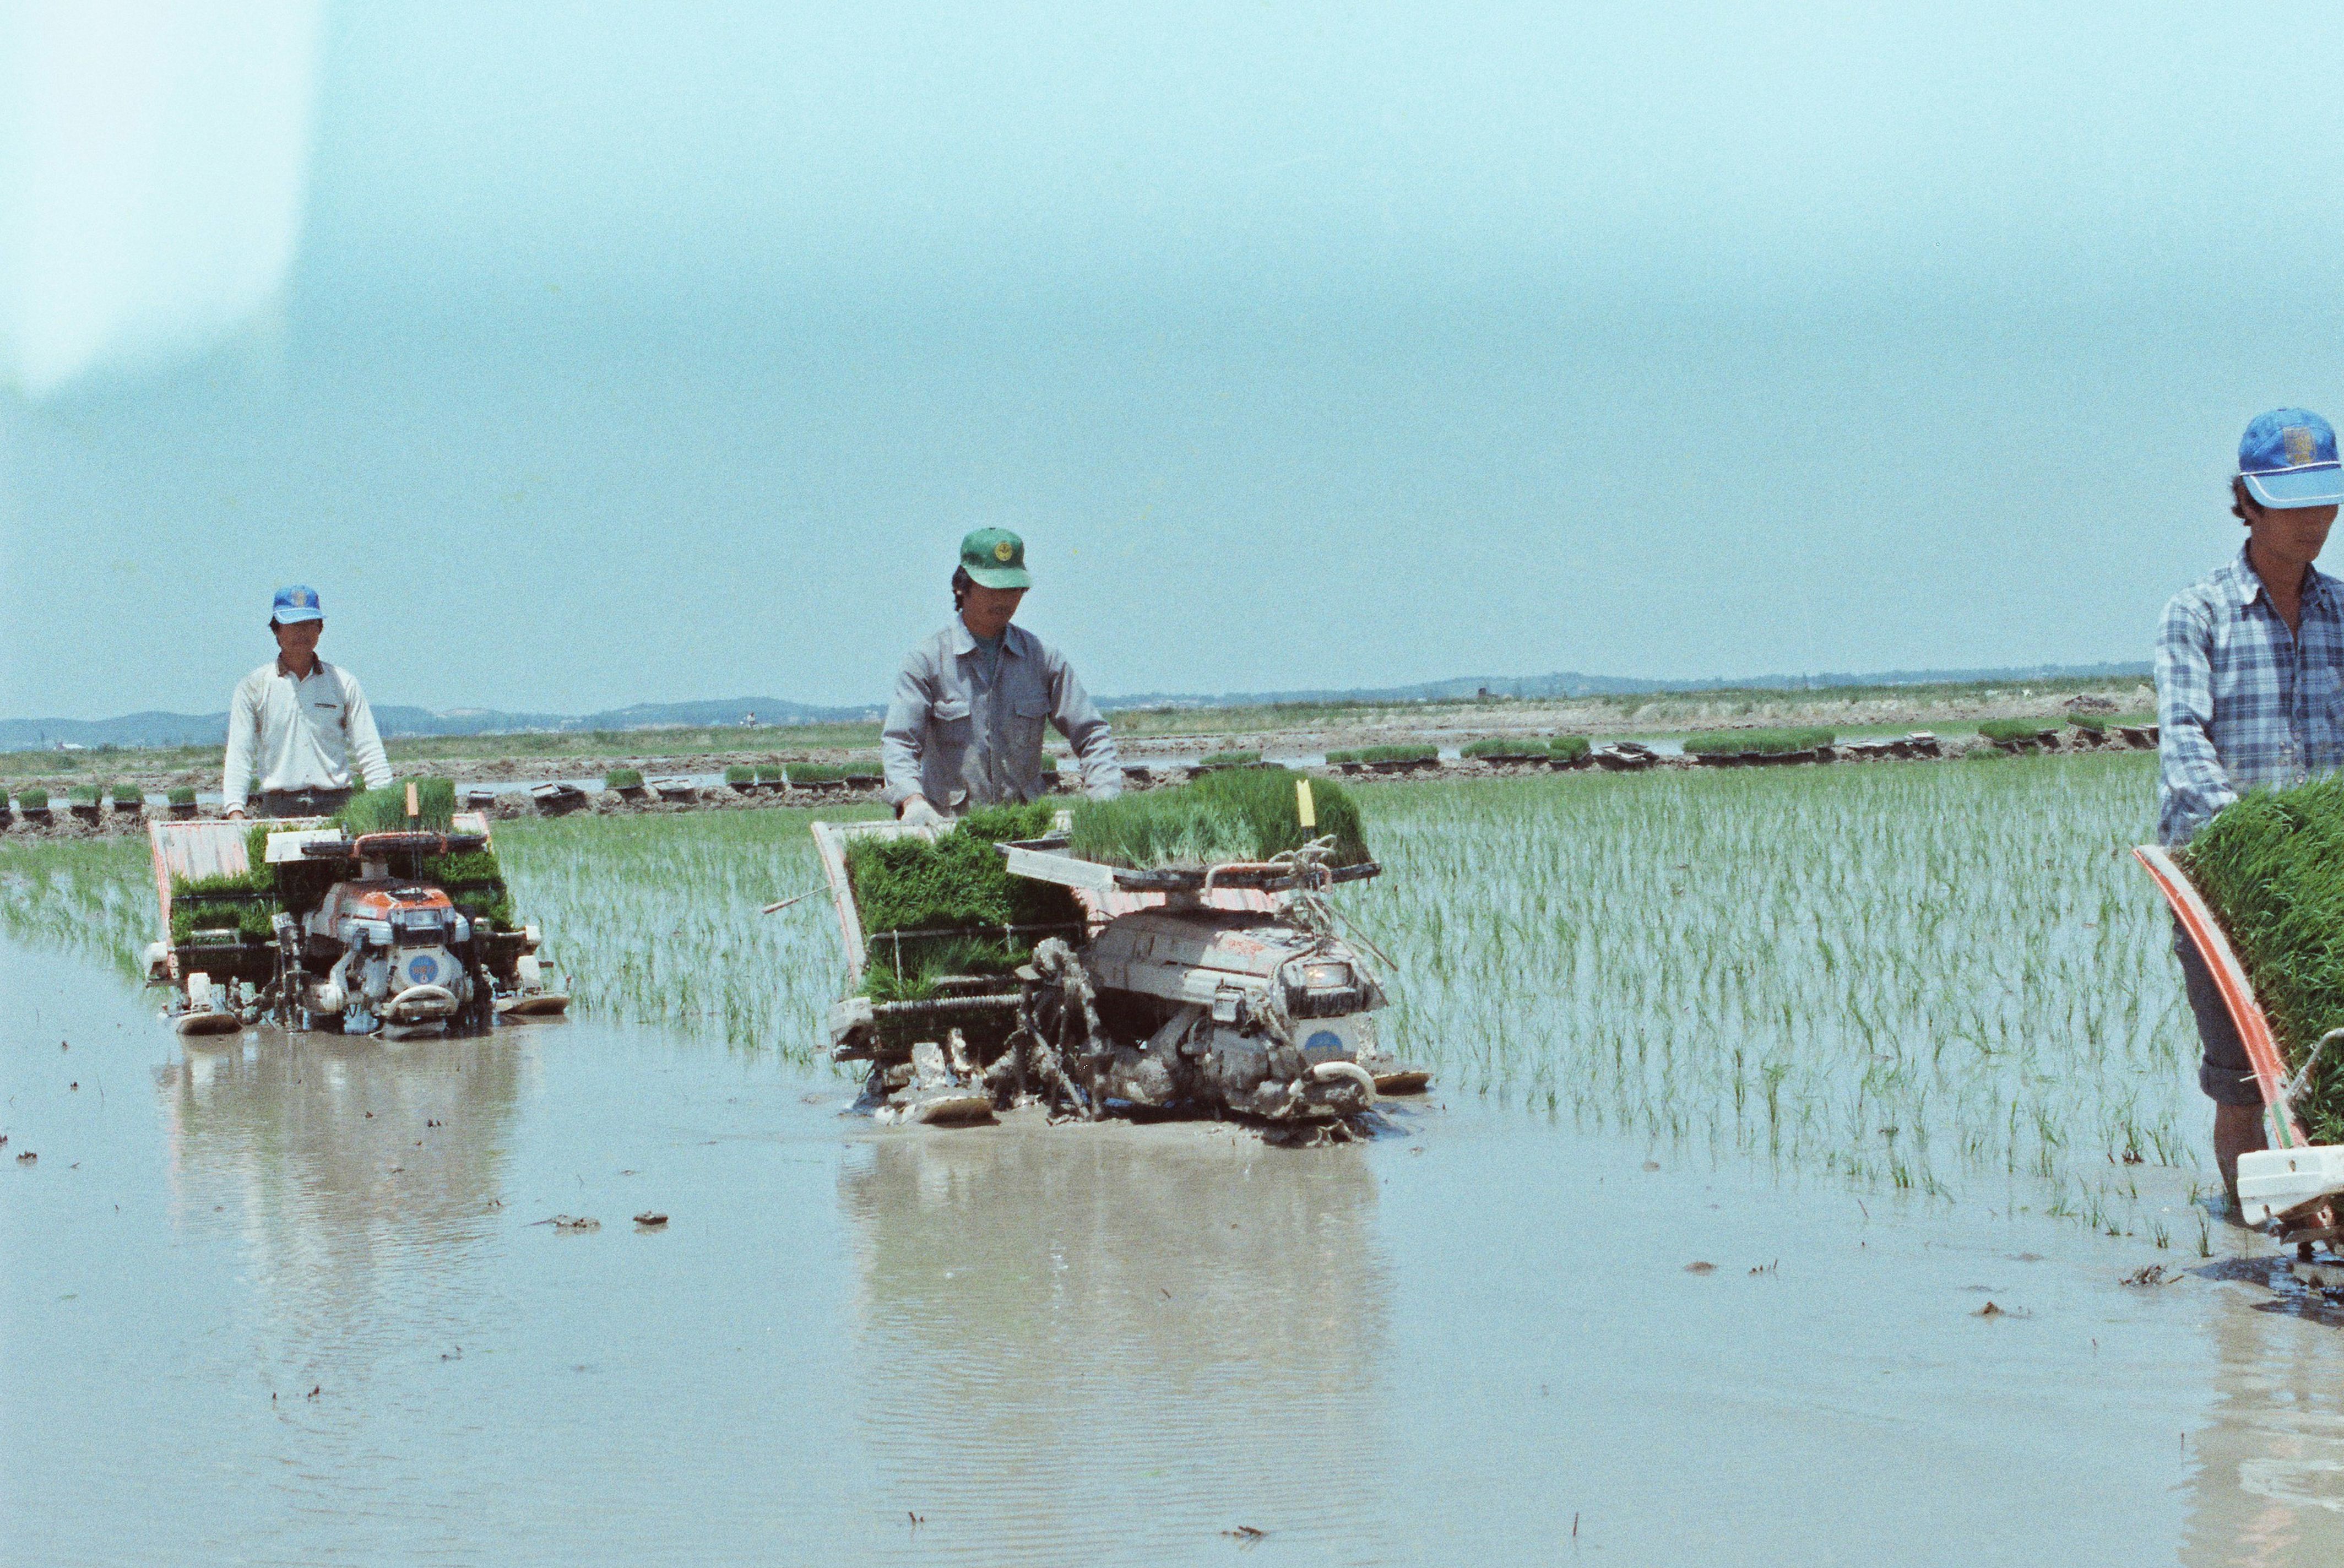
(2273, 1181)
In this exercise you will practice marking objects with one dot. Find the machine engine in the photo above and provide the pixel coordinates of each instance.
(401, 962)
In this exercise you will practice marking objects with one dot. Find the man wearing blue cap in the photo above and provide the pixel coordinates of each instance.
(297, 722)
(965, 727)
(2250, 692)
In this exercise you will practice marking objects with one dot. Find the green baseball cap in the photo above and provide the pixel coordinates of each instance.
(995, 558)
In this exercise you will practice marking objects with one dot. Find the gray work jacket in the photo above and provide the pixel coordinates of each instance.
(960, 744)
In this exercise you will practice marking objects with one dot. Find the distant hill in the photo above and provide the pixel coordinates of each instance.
(1569, 685)
(154, 729)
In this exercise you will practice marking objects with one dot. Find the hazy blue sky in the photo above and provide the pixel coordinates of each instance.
(633, 352)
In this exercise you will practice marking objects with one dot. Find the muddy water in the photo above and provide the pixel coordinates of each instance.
(246, 1321)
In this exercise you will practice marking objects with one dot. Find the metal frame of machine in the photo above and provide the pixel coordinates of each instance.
(379, 954)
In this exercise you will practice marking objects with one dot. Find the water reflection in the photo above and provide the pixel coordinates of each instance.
(1083, 1341)
(359, 1175)
(2269, 1481)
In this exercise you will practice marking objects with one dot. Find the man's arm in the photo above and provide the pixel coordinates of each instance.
(2190, 777)
(243, 736)
(366, 745)
(1079, 720)
(905, 730)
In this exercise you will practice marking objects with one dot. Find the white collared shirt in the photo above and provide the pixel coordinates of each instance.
(300, 733)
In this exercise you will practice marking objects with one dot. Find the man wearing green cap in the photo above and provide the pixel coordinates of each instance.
(964, 728)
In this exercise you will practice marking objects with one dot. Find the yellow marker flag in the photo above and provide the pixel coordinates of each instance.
(1304, 806)
(414, 811)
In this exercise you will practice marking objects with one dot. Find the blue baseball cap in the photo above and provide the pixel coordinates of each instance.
(2287, 459)
(299, 603)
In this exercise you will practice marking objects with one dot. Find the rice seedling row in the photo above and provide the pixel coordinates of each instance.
(1945, 981)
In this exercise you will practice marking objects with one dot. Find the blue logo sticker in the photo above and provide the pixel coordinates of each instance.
(1323, 1043)
(423, 970)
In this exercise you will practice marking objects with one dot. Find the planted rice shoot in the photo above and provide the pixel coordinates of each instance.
(92, 896)
(34, 799)
(654, 921)
(128, 797)
(1944, 981)
(2272, 864)
(181, 795)
(740, 776)
(623, 779)
(1499, 746)
(1569, 748)
(1756, 743)
(1246, 814)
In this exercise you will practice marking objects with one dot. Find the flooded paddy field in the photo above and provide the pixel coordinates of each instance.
(291, 1299)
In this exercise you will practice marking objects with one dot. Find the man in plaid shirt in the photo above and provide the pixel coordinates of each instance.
(2249, 694)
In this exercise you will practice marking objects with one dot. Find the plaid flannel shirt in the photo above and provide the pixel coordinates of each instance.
(2242, 703)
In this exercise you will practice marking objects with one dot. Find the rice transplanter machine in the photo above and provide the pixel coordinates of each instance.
(1229, 989)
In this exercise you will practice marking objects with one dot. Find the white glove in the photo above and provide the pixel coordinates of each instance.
(918, 812)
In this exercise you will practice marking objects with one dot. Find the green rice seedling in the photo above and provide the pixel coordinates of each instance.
(1569, 748)
(1230, 760)
(926, 904)
(1965, 957)
(740, 776)
(770, 774)
(1499, 746)
(1244, 815)
(1393, 753)
(474, 881)
(2097, 724)
(93, 897)
(128, 797)
(1049, 765)
(803, 774)
(181, 795)
(2013, 732)
(623, 779)
(243, 901)
(929, 963)
(1756, 743)
(34, 799)
(654, 921)
(384, 810)
(2272, 864)
(82, 795)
